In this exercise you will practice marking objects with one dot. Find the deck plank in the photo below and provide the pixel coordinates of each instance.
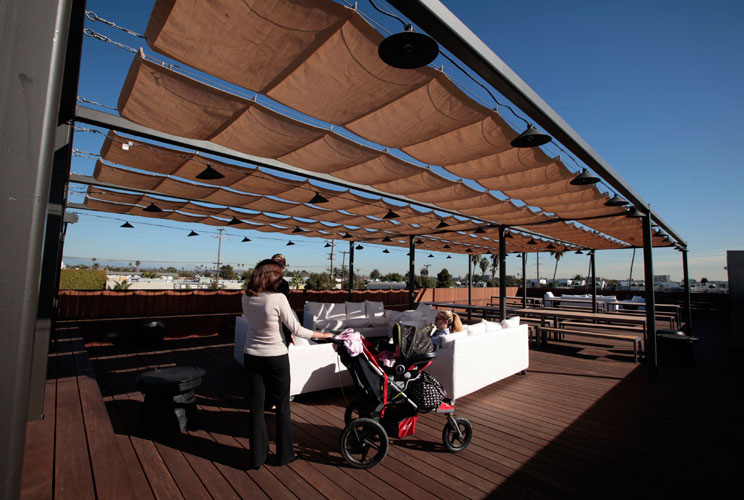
(584, 422)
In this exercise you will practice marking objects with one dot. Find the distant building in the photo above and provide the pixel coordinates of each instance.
(661, 278)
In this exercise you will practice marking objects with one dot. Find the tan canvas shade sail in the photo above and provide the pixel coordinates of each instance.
(320, 58)
(383, 170)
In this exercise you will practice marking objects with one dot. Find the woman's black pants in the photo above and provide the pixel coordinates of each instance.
(268, 376)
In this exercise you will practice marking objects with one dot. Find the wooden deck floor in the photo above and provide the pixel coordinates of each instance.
(584, 422)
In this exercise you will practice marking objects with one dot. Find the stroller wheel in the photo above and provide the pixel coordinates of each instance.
(457, 434)
(364, 443)
(357, 409)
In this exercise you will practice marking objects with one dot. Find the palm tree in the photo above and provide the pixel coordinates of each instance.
(494, 265)
(557, 254)
(483, 263)
(138, 264)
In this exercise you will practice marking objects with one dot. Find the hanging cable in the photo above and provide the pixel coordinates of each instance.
(94, 17)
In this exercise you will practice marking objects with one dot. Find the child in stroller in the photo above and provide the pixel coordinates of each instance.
(393, 396)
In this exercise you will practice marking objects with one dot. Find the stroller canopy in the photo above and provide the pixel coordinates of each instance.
(414, 343)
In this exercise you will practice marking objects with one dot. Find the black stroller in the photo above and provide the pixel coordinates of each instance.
(393, 396)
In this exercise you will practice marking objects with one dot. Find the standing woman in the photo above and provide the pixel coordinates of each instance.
(267, 362)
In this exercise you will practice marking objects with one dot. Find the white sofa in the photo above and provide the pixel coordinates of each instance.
(483, 354)
(368, 318)
(313, 367)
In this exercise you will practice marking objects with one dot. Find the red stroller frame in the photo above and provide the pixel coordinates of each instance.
(386, 410)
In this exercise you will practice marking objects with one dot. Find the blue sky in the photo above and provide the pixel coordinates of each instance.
(653, 87)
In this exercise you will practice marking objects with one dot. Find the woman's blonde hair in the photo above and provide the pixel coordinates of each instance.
(453, 321)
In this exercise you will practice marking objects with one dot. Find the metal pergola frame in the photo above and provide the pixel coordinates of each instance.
(41, 43)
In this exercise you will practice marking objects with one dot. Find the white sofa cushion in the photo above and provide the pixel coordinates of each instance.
(299, 341)
(451, 337)
(355, 310)
(510, 322)
(374, 309)
(477, 328)
(334, 310)
(330, 324)
(311, 312)
(493, 326)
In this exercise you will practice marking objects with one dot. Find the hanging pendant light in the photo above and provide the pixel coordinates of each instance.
(616, 201)
(530, 138)
(442, 224)
(289, 244)
(408, 50)
(635, 213)
(387, 239)
(386, 251)
(246, 239)
(469, 250)
(318, 198)
(234, 221)
(419, 242)
(347, 235)
(584, 179)
(507, 234)
(449, 256)
(209, 174)
(550, 247)
(152, 207)
(431, 256)
(298, 229)
(359, 247)
(327, 245)
(127, 225)
(391, 215)
(446, 246)
(479, 230)
(532, 242)
(579, 252)
(192, 233)
(519, 256)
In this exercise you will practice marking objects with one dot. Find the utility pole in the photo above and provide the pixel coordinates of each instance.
(219, 249)
(343, 263)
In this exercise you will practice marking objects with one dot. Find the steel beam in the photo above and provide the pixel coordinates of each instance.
(33, 43)
(502, 272)
(688, 302)
(648, 271)
(351, 270)
(435, 19)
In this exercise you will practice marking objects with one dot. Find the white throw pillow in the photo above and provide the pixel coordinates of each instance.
(493, 326)
(549, 295)
(477, 328)
(334, 311)
(374, 309)
(510, 322)
(355, 310)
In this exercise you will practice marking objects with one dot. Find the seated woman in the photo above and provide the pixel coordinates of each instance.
(445, 322)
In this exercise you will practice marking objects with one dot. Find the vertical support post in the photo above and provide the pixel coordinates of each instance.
(351, 271)
(411, 266)
(524, 279)
(688, 306)
(470, 285)
(594, 282)
(648, 270)
(502, 272)
(33, 47)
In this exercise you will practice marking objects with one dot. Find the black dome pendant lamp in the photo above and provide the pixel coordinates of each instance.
(530, 138)
(408, 50)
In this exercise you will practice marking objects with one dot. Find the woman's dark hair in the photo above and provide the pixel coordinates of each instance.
(266, 276)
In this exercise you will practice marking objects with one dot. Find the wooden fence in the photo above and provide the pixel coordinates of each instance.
(203, 312)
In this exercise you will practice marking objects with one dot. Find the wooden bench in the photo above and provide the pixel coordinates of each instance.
(602, 326)
(635, 339)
